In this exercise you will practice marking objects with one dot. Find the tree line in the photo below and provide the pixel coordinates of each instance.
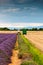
(7, 29)
(32, 29)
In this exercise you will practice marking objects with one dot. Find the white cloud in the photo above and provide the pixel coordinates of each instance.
(20, 25)
(11, 10)
(32, 8)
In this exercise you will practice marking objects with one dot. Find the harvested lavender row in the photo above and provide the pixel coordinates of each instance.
(6, 48)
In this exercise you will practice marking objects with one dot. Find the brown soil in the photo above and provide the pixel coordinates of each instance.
(36, 37)
(15, 60)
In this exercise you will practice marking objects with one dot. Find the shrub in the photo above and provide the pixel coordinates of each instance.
(28, 63)
(20, 55)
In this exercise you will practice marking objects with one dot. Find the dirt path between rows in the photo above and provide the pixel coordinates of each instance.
(14, 58)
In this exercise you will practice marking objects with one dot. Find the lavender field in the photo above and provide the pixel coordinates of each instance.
(7, 43)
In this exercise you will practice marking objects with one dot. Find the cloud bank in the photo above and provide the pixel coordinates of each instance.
(20, 25)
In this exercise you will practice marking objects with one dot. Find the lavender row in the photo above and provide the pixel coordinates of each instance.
(6, 49)
(4, 37)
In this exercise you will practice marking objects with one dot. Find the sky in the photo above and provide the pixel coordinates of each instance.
(21, 13)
